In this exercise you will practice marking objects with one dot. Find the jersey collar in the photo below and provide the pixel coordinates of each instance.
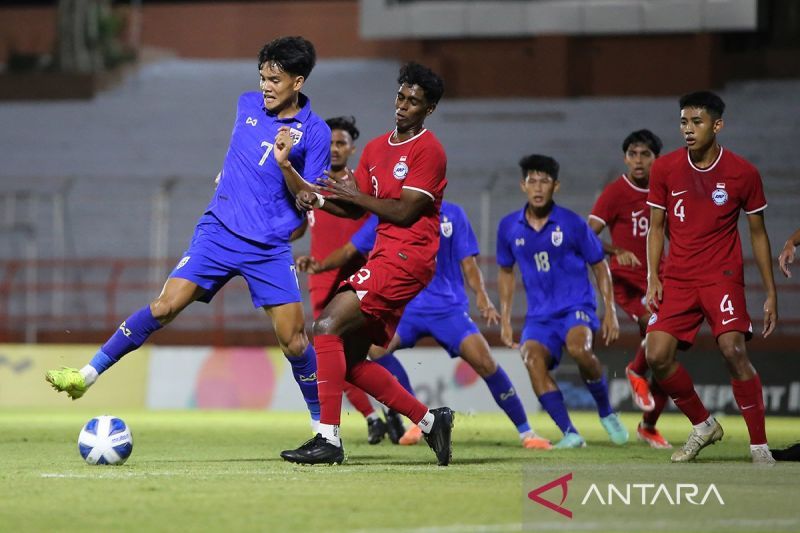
(301, 116)
(554, 218)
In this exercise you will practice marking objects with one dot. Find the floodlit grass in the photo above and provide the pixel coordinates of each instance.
(196, 471)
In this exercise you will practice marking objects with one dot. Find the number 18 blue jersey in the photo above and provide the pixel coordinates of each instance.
(552, 261)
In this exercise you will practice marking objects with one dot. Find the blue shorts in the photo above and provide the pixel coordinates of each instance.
(216, 255)
(552, 331)
(448, 329)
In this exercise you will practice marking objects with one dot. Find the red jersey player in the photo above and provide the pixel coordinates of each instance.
(622, 206)
(400, 178)
(698, 192)
(329, 233)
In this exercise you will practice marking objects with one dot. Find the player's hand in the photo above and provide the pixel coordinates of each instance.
(306, 200)
(655, 292)
(343, 188)
(507, 336)
(283, 146)
(610, 328)
(770, 315)
(626, 258)
(487, 310)
(787, 258)
(306, 263)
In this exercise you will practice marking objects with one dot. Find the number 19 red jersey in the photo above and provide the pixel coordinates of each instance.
(702, 208)
(384, 170)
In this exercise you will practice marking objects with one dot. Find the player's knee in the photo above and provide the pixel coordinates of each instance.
(296, 345)
(534, 359)
(164, 310)
(485, 366)
(657, 359)
(580, 351)
(324, 325)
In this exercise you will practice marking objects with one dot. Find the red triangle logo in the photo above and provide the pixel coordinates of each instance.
(535, 495)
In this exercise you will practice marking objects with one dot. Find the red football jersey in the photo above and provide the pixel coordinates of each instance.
(328, 233)
(385, 169)
(702, 207)
(622, 207)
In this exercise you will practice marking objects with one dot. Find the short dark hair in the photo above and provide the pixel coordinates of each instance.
(347, 124)
(415, 74)
(539, 163)
(294, 55)
(645, 137)
(707, 100)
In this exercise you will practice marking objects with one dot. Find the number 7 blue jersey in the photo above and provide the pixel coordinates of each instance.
(252, 199)
(552, 261)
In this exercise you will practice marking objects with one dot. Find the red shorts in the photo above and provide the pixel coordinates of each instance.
(384, 290)
(629, 294)
(682, 310)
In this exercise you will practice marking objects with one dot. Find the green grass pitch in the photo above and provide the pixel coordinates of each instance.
(220, 471)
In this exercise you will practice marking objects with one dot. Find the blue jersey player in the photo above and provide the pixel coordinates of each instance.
(441, 311)
(552, 246)
(277, 142)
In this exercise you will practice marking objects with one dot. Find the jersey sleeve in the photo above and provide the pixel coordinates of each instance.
(754, 199)
(589, 245)
(602, 209)
(364, 238)
(505, 255)
(362, 172)
(426, 171)
(466, 244)
(318, 153)
(657, 196)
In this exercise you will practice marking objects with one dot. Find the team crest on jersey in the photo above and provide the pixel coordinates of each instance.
(447, 227)
(296, 135)
(557, 237)
(519, 242)
(719, 196)
(400, 170)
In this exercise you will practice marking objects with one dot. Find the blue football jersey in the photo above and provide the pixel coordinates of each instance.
(252, 199)
(457, 241)
(552, 261)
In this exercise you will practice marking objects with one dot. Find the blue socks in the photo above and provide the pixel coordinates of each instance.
(129, 336)
(507, 399)
(599, 390)
(393, 365)
(304, 369)
(553, 403)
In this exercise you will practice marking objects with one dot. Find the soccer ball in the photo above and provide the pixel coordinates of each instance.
(105, 440)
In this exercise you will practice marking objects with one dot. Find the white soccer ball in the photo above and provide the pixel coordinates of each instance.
(105, 440)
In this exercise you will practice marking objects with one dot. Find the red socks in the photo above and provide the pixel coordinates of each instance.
(659, 399)
(750, 399)
(639, 363)
(375, 380)
(358, 399)
(331, 369)
(680, 388)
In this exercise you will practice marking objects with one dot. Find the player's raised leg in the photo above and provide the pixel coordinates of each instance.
(131, 334)
(673, 378)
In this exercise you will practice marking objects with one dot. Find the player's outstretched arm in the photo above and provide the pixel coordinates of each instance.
(403, 211)
(786, 257)
(761, 251)
(474, 278)
(337, 258)
(506, 281)
(610, 328)
(624, 257)
(655, 247)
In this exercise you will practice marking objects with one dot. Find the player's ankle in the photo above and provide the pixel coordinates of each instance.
(89, 374)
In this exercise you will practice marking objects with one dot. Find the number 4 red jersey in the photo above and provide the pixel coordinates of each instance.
(622, 206)
(702, 207)
(384, 170)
